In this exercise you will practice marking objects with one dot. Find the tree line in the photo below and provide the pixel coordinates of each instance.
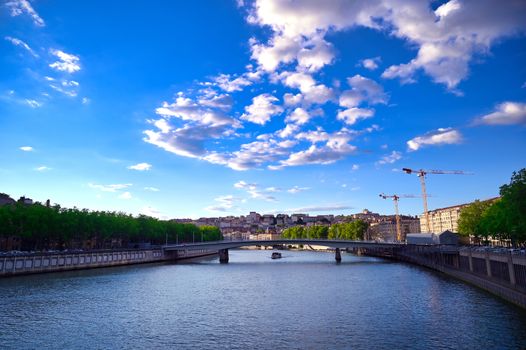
(354, 230)
(502, 219)
(52, 227)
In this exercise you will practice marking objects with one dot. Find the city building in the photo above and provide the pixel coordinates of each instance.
(6, 200)
(384, 229)
(444, 219)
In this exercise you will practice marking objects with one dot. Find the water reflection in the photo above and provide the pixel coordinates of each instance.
(304, 300)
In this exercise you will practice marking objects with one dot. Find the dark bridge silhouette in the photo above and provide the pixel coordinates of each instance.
(222, 247)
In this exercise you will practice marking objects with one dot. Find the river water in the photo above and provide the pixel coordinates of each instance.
(302, 301)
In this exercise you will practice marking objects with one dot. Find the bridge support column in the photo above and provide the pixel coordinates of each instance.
(223, 256)
(338, 255)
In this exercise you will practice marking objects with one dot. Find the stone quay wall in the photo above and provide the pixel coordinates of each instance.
(53, 262)
(502, 274)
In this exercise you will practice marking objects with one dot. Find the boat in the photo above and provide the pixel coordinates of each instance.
(276, 255)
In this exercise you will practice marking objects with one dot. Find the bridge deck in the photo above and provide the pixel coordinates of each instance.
(218, 245)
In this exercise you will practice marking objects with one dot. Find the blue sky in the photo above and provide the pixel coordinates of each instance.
(189, 109)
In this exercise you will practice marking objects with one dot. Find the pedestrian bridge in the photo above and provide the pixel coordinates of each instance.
(222, 247)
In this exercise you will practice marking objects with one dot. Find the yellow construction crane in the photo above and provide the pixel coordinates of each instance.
(422, 175)
(396, 198)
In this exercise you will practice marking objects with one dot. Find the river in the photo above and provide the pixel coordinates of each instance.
(302, 301)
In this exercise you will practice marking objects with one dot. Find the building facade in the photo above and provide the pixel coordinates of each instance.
(445, 219)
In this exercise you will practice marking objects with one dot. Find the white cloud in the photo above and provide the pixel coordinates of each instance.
(125, 195)
(336, 148)
(391, 158)
(200, 123)
(140, 167)
(355, 167)
(370, 63)
(298, 116)
(280, 50)
(289, 130)
(445, 9)
(256, 192)
(293, 100)
(225, 203)
(437, 137)
(446, 38)
(109, 188)
(262, 109)
(42, 168)
(311, 92)
(152, 212)
(67, 62)
(19, 7)
(331, 207)
(186, 109)
(253, 154)
(449, 37)
(26, 148)
(363, 90)
(315, 54)
(18, 42)
(86, 101)
(222, 101)
(152, 189)
(297, 189)
(187, 141)
(230, 84)
(351, 115)
(66, 87)
(506, 113)
(33, 103)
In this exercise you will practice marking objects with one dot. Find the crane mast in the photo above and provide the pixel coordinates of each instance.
(398, 229)
(422, 176)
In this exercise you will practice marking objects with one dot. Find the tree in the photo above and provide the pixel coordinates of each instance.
(469, 222)
(513, 197)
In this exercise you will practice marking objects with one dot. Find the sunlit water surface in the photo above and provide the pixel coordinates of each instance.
(302, 301)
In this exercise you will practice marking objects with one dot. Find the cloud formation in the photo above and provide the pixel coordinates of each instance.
(288, 89)
(297, 189)
(109, 188)
(125, 195)
(19, 7)
(391, 158)
(66, 63)
(225, 203)
(310, 209)
(506, 113)
(20, 43)
(446, 38)
(442, 136)
(256, 192)
(262, 109)
(370, 63)
(140, 167)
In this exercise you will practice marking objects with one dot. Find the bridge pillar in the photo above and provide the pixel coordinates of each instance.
(338, 255)
(223, 256)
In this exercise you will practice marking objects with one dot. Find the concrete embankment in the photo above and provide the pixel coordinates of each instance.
(501, 274)
(63, 261)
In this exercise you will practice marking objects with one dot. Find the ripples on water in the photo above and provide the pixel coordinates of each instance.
(303, 301)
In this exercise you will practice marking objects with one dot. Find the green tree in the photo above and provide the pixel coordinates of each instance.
(469, 222)
(513, 198)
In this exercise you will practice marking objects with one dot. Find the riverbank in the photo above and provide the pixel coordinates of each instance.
(503, 275)
(67, 261)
